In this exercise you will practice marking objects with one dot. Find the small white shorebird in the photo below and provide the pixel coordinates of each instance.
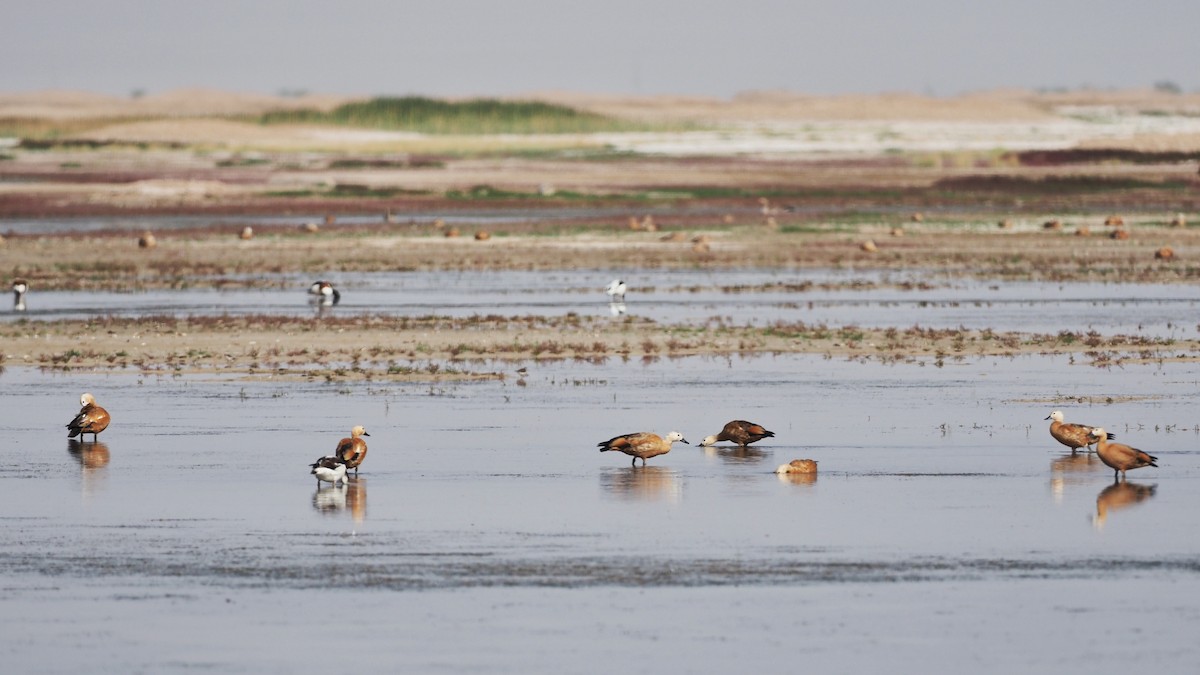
(616, 290)
(326, 294)
(329, 469)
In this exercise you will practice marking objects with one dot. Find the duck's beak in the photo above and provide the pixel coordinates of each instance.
(366, 434)
(1049, 416)
(684, 440)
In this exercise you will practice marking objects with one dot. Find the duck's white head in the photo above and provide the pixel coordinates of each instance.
(709, 440)
(1098, 433)
(676, 436)
(358, 431)
(87, 399)
(1057, 416)
(784, 468)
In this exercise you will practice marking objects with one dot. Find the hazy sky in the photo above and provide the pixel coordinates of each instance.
(469, 47)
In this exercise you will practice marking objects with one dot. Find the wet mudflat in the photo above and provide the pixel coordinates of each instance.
(486, 533)
(836, 297)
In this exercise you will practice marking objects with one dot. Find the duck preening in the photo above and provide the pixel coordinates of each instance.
(92, 419)
(643, 445)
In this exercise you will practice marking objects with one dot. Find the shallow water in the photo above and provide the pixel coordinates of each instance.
(927, 298)
(486, 533)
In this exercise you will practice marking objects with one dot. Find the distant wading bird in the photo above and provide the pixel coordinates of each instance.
(1120, 458)
(352, 451)
(325, 293)
(1074, 436)
(19, 288)
(644, 445)
(741, 432)
(92, 419)
(616, 290)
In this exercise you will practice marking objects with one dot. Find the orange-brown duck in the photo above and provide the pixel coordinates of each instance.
(1120, 458)
(741, 432)
(643, 445)
(92, 419)
(352, 450)
(1074, 436)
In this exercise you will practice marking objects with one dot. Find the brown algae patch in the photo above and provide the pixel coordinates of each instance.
(438, 348)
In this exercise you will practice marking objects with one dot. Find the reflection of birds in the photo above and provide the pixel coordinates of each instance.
(616, 308)
(1118, 496)
(330, 470)
(329, 499)
(1074, 436)
(19, 288)
(93, 455)
(352, 450)
(616, 290)
(643, 445)
(1072, 468)
(646, 484)
(736, 454)
(356, 499)
(798, 466)
(739, 431)
(92, 419)
(1120, 458)
(325, 293)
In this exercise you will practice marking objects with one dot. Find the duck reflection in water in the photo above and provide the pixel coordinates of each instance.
(1120, 495)
(91, 455)
(645, 483)
(617, 308)
(1075, 469)
(352, 495)
(736, 454)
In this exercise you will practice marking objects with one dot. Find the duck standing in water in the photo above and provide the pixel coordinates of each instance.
(644, 445)
(1120, 458)
(352, 451)
(92, 419)
(1074, 436)
(329, 469)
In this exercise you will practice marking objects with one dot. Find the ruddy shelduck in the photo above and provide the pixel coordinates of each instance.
(644, 445)
(353, 450)
(92, 419)
(1120, 458)
(1074, 436)
(741, 432)
(798, 466)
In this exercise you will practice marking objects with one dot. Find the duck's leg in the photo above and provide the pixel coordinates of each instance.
(634, 462)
